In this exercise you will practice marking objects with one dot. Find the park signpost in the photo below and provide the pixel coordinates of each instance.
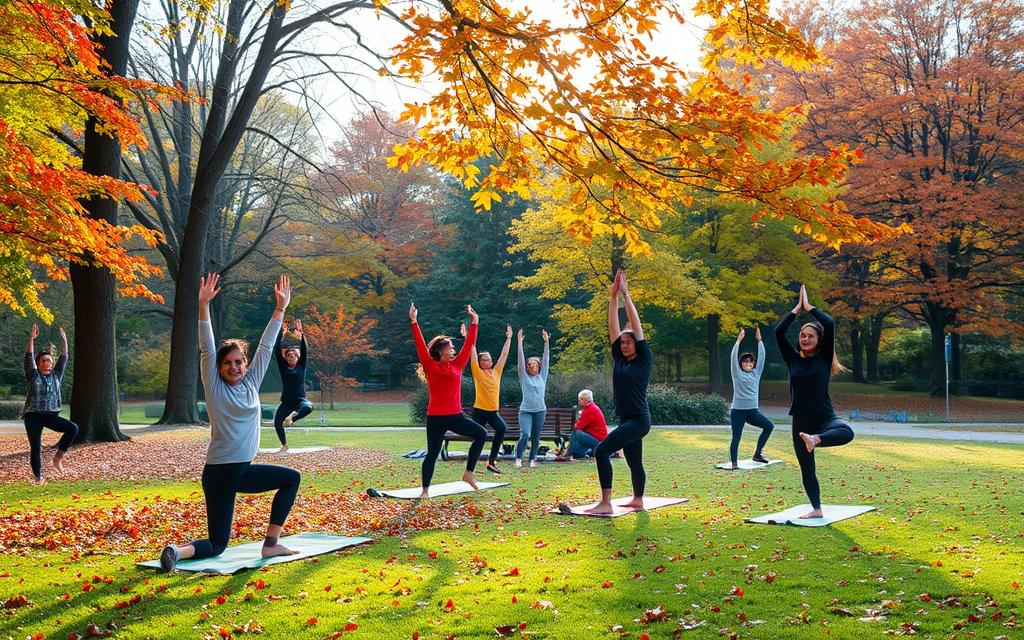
(949, 358)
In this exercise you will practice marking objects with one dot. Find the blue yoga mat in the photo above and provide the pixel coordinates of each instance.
(247, 556)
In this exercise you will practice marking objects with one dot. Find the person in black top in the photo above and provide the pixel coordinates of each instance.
(630, 374)
(815, 423)
(291, 363)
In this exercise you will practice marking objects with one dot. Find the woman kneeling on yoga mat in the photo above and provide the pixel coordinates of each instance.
(487, 387)
(815, 423)
(232, 385)
(631, 372)
(746, 379)
(442, 370)
(291, 364)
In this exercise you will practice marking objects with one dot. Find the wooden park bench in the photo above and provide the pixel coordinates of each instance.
(557, 425)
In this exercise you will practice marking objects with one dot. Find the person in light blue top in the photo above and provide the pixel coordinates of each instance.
(533, 380)
(746, 379)
(232, 385)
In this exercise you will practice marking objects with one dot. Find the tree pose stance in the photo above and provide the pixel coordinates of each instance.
(292, 366)
(746, 379)
(43, 378)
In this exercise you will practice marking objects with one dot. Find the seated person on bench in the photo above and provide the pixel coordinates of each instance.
(590, 429)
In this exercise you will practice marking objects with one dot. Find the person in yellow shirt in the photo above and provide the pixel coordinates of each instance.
(487, 383)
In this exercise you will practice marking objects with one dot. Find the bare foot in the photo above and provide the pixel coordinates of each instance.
(601, 507)
(533, 464)
(39, 480)
(276, 550)
(470, 479)
(284, 447)
(635, 503)
(425, 495)
(810, 441)
(519, 463)
(58, 461)
(288, 421)
(735, 466)
(813, 513)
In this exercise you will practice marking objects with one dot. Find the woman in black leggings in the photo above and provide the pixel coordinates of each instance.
(232, 386)
(292, 366)
(815, 423)
(442, 370)
(630, 374)
(42, 403)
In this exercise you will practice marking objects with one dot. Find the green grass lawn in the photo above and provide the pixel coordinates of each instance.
(942, 556)
(344, 414)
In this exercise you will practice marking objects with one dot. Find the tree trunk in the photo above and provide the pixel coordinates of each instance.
(857, 365)
(874, 339)
(956, 367)
(94, 391)
(937, 320)
(714, 357)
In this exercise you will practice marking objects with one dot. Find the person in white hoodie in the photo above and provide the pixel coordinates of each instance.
(746, 381)
(232, 386)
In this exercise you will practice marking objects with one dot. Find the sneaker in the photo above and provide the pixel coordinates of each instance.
(519, 463)
(533, 464)
(373, 493)
(168, 558)
(493, 469)
(759, 457)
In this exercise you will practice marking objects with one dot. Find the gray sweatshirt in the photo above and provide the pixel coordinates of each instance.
(745, 383)
(533, 386)
(234, 409)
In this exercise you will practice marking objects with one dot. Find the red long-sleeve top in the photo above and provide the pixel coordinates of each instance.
(592, 421)
(444, 379)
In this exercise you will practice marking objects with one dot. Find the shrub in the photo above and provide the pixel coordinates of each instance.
(9, 409)
(669, 406)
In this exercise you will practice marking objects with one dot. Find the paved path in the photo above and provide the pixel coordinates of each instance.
(882, 429)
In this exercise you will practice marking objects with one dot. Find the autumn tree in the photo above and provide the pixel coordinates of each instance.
(932, 92)
(335, 339)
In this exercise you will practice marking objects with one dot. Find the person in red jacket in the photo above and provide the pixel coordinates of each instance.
(442, 370)
(588, 432)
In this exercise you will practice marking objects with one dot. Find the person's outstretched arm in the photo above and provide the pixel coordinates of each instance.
(503, 358)
(613, 311)
(207, 345)
(520, 356)
(30, 352)
(417, 336)
(469, 346)
(261, 359)
(827, 344)
(282, 364)
(631, 312)
(759, 368)
(65, 355)
(546, 359)
(734, 363)
(302, 343)
(786, 349)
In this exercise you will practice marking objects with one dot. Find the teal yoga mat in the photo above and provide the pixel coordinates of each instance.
(247, 556)
(746, 465)
(832, 513)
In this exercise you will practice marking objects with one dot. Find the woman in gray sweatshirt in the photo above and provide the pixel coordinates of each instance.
(232, 385)
(533, 380)
(746, 380)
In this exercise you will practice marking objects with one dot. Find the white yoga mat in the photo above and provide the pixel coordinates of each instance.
(293, 451)
(832, 513)
(247, 556)
(746, 465)
(438, 490)
(650, 502)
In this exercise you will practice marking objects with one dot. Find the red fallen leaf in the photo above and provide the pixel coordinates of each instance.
(742, 617)
(513, 572)
(312, 621)
(638, 575)
(998, 615)
(87, 587)
(657, 614)
(92, 631)
(260, 585)
(327, 588)
(351, 626)
(547, 578)
(1014, 585)
(449, 606)
(606, 585)
(16, 601)
(37, 636)
(221, 600)
(715, 608)
(659, 569)
(122, 605)
(396, 603)
(431, 554)
(973, 618)
(522, 625)
(737, 591)
(925, 597)
(224, 632)
(415, 635)
(505, 630)
(74, 636)
(540, 544)
(645, 636)
(514, 599)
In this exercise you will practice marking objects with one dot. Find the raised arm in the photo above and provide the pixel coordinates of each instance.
(207, 345)
(503, 358)
(469, 346)
(30, 352)
(417, 336)
(786, 349)
(546, 359)
(520, 356)
(302, 343)
(827, 344)
(759, 367)
(278, 344)
(65, 355)
(613, 311)
(261, 359)
(631, 312)
(734, 363)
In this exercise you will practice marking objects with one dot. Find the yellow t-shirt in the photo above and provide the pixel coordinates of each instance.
(487, 385)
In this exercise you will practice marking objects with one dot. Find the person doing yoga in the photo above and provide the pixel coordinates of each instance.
(487, 384)
(746, 379)
(631, 371)
(43, 378)
(232, 385)
(291, 364)
(533, 381)
(442, 370)
(815, 423)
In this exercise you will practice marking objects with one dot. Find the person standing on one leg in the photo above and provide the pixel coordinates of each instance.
(232, 386)
(815, 423)
(43, 402)
(533, 381)
(442, 369)
(631, 373)
(291, 364)
(486, 401)
(746, 380)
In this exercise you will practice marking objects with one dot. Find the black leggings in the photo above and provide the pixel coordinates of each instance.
(458, 423)
(35, 422)
(221, 482)
(628, 436)
(739, 417)
(493, 420)
(300, 406)
(833, 432)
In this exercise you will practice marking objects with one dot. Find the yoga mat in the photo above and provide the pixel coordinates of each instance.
(746, 465)
(247, 556)
(833, 513)
(437, 490)
(650, 502)
(293, 451)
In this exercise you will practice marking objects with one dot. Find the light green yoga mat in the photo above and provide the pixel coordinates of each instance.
(247, 556)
